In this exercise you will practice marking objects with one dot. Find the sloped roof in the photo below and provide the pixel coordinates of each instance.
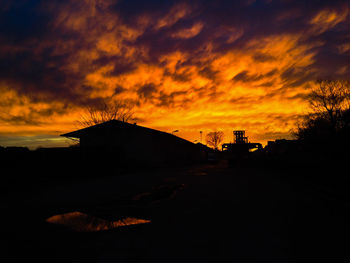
(98, 127)
(115, 124)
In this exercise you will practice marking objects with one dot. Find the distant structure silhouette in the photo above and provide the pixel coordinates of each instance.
(241, 146)
(124, 142)
(240, 137)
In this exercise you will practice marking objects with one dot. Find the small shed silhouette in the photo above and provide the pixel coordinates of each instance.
(126, 142)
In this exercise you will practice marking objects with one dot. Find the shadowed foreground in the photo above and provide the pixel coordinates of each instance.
(202, 213)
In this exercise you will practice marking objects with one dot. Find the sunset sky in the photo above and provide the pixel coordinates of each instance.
(185, 65)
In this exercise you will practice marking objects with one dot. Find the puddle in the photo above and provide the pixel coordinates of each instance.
(81, 222)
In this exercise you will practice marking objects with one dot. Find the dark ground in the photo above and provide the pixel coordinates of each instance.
(201, 213)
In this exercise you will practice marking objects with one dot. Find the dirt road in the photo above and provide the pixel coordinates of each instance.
(204, 213)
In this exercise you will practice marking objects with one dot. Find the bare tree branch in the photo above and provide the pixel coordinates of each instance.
(215, 138)
(329, 99)
(329, 102)
(106, 112)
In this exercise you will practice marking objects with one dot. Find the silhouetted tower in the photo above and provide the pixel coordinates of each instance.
(240, 137)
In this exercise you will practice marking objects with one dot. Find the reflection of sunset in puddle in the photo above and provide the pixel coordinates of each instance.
(85, 223)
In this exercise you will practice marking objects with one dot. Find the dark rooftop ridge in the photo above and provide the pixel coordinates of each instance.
(112, 124)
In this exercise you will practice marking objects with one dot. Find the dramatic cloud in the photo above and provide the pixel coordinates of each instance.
(192, 66)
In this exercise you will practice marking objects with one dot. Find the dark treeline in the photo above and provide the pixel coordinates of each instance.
(325, 131)
(329, 118)
(319, 155)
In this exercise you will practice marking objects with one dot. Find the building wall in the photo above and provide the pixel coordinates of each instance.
(142, 146)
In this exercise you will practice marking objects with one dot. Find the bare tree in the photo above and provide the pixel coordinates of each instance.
(329, 100)
(215, 138)
(106, 112)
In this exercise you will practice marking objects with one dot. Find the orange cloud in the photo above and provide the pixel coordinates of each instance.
(326, 19)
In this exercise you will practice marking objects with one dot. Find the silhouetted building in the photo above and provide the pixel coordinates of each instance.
(241, 146)
(125, 142)
(240, 137)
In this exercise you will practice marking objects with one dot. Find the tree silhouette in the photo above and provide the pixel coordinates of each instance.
(215, 138)
(106, 111)
(329, 102)
(329, 99)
